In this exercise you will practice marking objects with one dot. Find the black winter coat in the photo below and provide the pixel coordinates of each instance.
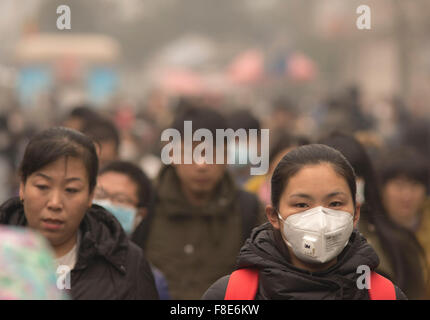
(109, 266)
(279, 279)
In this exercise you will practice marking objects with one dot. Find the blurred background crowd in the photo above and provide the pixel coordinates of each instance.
(299, 68)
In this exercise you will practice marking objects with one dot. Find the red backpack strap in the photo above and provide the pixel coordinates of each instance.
(242, 285)
(381, 288)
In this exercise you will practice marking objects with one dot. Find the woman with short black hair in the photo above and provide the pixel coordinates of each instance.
(58, 176)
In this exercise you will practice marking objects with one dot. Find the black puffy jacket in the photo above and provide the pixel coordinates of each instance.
(109, 266)
(279, 279)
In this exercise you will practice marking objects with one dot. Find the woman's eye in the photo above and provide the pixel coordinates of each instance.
(72, 190)
(300, 205)
(41, 187)
(336, 204)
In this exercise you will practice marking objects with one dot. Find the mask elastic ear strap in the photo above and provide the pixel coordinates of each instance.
(279, 215)
(353, 216)
(280, 232)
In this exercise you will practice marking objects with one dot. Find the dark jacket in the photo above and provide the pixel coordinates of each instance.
(279, 279)
(405, 263)
(194, 246)
(109, 266)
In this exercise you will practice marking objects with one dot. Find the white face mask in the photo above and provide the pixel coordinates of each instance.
(319, 234)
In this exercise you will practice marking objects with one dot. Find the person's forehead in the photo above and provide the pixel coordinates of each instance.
(63, 168)
(117, 181)
(321, 178)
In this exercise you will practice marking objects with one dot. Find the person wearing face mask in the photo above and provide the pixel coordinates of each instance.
(122, 189)
(125, 190)
(310, 248)
(58, 177)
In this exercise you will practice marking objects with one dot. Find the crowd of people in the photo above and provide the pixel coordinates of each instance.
(342, 191)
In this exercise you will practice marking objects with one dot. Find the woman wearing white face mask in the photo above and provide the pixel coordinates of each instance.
(310, 248)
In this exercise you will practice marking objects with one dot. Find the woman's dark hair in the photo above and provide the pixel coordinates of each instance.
(394, 239)
(403, 162)
(135, 174)
(52, 144)
(311, 154)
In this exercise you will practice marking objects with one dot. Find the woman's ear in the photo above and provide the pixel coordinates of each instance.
(357, 214)
(272, 216)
